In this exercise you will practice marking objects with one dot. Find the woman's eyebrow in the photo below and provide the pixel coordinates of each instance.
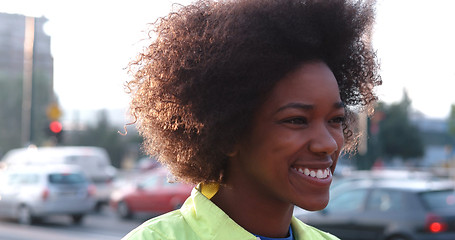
(307, 107)
(302, 106)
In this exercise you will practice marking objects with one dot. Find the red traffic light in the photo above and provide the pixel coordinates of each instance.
(55, 127)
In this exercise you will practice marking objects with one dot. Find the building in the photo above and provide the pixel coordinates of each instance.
(12, 33)
(12, 37)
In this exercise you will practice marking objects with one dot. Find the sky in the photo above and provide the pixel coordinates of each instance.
(93, 41)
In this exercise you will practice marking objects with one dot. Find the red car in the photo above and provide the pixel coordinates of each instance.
(153, 195)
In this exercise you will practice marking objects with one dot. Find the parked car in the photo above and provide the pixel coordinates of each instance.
(30, 193)
(388, 210)
(340, 182)
(151, 195)
(94, 161)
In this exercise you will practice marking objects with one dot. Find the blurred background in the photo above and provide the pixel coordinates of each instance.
(65, 61)
(63, 71)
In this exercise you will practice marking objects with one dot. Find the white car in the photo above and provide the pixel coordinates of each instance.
(30, 193)
(94, 162)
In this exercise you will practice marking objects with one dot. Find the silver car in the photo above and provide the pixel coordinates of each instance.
(30, 193)
(94, 162)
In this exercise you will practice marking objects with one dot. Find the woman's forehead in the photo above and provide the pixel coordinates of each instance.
(308, 84)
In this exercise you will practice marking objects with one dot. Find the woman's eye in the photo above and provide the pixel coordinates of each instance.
(338, 120)
(296, 121)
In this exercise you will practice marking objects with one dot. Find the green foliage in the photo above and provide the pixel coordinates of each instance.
(102, 134)
(391, 134)
(398, 136)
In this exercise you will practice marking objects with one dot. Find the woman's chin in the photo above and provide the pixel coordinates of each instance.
(314, 206)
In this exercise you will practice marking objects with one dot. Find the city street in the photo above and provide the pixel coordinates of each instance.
(97, 226)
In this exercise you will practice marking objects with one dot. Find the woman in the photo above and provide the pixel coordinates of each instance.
(251, 100)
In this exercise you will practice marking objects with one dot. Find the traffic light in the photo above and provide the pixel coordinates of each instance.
(55, 130)
(55, 127)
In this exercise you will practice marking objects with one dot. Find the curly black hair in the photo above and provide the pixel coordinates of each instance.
(211, 64)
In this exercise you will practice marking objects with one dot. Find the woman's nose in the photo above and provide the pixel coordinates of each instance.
(323, 141)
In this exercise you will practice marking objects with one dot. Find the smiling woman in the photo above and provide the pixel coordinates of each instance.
(251, 99)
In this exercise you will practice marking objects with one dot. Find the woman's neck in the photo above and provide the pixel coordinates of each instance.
(254, 212)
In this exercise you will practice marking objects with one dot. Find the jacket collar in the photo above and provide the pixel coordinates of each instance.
(209, 221)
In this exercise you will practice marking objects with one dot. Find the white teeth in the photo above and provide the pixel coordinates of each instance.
(312, 173)
(306, 171)
(319, 173)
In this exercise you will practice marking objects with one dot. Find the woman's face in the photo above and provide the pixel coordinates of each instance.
(296, 137)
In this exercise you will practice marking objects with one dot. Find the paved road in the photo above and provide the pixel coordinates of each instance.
(97, 226)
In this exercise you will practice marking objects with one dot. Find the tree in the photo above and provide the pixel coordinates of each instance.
(104, 135)
(398, 137)
(391, 134)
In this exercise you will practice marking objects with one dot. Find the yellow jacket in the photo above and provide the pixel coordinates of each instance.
(199, 218)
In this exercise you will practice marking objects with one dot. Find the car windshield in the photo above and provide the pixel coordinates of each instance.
(66, 178)
(436, 200)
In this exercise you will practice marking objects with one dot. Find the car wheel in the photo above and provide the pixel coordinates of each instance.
(123, 210)
(77, 218)
(24, 215)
